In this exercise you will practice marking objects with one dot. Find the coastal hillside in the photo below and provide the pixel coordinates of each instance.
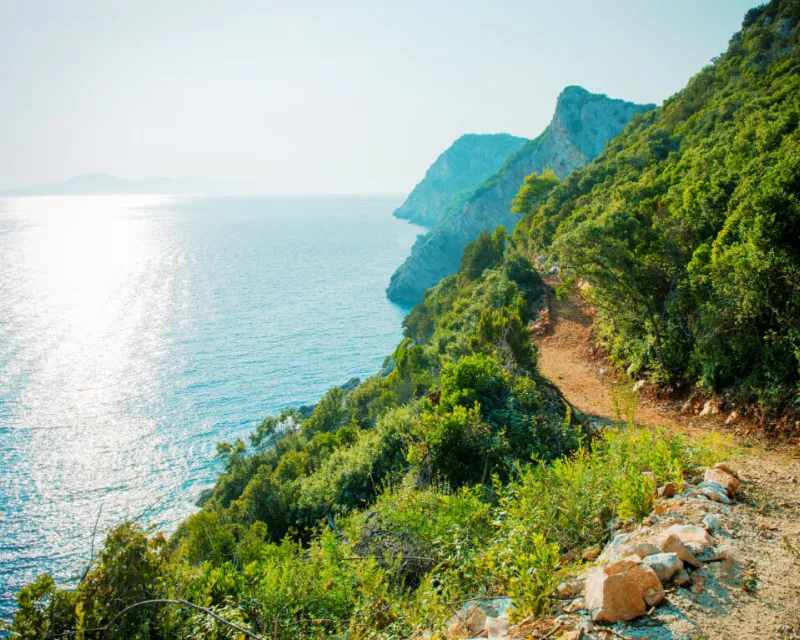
(496, 478)
(582, 124)
(687, 226)
(455, 175)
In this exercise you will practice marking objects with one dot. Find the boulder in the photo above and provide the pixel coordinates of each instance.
(696, 539)
(665, 565)
(728, 481)
(622, 591)
(673, 544)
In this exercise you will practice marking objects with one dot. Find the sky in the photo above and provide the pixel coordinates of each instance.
(318, 97)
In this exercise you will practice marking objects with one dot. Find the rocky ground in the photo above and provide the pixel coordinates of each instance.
(739, 525)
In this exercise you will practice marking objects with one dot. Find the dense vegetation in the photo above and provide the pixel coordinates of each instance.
(459, 472)
(687, 225)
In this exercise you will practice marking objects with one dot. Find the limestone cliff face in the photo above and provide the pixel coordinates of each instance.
(460, 170)
(582, 124)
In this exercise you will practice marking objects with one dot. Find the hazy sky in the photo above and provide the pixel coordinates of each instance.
(318, 97)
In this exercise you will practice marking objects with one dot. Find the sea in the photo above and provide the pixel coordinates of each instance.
(137, 332)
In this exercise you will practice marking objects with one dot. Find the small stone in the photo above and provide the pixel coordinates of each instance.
(698, 584)
(706, 410)
(681, 579)
(665, 565)
(673, 544)
(728, 481)
(732, 417)
(711, 523)
(576, 605)
(669, 490)
(638, 386)
(687, 406)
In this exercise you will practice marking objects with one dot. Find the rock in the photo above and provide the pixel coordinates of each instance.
(681, 579)
(665, 565)
(733, 417)
(714, 491)
(706, 410)
(578, 604)
(572, 588)
(469, 621)
(711, 522)
(541, 260)
(669, 490)
(686, 407)
(728, 481)
(641, 549)
(621, 591)
(466, 164)
(611, 553)
(698, 584)
(602, 371)
(497, 628)
(673, 544)
(554, 270)
(696, 539)
(638, 386)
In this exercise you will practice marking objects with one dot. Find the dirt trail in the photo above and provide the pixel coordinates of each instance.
(765, 534)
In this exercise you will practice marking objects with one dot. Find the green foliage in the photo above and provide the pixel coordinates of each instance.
(686, 226)
(534, 190)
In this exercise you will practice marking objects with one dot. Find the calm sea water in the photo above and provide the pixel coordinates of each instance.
(137, 332)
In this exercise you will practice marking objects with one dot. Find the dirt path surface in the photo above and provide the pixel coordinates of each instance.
(754, 595)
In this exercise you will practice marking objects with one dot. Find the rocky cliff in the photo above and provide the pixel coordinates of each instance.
(582, 124)
(455, 175)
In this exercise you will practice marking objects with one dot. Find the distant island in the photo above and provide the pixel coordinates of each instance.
(105, 184)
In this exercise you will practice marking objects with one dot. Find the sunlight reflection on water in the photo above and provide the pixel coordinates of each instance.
(136, 332)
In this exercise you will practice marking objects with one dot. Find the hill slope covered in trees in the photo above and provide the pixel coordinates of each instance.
(688, 225)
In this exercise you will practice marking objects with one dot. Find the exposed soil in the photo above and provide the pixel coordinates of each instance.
(761, 530)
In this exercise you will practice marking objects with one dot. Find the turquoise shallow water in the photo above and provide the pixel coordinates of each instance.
(137, 332)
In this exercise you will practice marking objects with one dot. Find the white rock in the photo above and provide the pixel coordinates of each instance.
(665, 565)
(696, 539)
(497, 628)
(714, 491)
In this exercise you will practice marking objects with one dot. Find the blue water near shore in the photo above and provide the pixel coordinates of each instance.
(137, 332)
